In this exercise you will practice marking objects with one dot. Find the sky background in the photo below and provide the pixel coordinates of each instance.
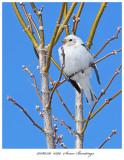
(17, 129)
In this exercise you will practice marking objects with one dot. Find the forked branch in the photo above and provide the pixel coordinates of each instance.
(114, 37)
(102, 92)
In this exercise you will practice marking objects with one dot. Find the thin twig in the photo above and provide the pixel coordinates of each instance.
(23, 110)
(62, 144)
(114, 37)
(112, 53)
(65, 21)
(62, 100)
(33, 84)
(32, 76)
(26, 14)
(53, 38)
(63, 123)
(38, 109)
(39, 14)
(57, 65)
(30, 20)
(102, 92)
(96, 21)
(106, 102)
(63, 65)
(78, 15)
(65, 13)
(32, 38)
(35, 27)
(58, 138)
(113, 132)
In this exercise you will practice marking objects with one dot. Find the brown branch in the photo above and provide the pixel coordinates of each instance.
(39, 14)
(61, 99)
(78, 15)
(65, 13)
(32, 76)
(38, 109)
(63, 65)
(74, 22)
(112, 53)
(58, 138)
(23, 110)
(35, 27)
(26, 29)
(34, 7)
(26, 14)
(30, 20)
(63, 123)
(114, 37)
(113, 132)
(102, 92)
(53, 38)
(65, 21)
(62, 144)
(106, 102)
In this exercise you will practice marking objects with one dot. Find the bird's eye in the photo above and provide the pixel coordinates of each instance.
(70, 39)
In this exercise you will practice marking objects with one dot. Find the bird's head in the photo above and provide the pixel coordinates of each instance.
(72, 40)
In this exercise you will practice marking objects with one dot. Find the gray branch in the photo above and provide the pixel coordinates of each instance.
(45, 98)
(79, 120)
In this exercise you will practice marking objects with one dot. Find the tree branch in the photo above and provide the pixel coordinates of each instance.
(53, 38)
(23, 110)
(113, 132)
(114, 37)
(62, 100)
(106, 102)
(65, 13)
(112, 53)
(102, 92)
(34, 7)
(79, 120)
(96, 21)
(63, 123)
(65, 21)
(78, 16)
(32, 76)
(30, 35)
(63, 65)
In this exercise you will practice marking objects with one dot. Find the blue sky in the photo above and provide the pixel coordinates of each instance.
(17, 130)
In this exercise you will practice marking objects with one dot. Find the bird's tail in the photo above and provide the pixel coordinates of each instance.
(90, 96)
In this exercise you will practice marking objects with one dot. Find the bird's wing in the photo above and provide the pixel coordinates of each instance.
(75, 85)
(96, 71)
(86, 48)
(93, 65)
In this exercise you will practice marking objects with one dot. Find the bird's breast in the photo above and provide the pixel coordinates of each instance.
(76, 58)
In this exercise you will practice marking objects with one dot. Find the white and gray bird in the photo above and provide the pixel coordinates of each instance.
(78, 58)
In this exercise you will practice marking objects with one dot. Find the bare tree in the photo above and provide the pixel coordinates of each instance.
(44, 56)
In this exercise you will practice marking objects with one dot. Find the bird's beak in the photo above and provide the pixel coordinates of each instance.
(64, 41)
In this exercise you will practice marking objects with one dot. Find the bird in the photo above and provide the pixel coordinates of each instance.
(78, 62)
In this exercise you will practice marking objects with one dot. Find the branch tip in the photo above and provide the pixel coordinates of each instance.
(9, 98)
(37, 108)
(114, 131)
